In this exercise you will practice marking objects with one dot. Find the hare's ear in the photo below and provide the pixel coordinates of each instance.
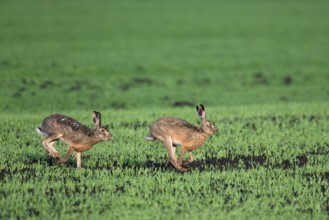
(201, 112)
(97, 118)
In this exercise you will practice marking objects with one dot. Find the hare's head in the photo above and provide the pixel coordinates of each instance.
(206, 125)
(101, 132)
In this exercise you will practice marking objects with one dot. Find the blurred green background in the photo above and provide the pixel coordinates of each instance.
(67, 55)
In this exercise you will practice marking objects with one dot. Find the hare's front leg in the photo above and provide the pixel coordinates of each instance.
(68, 154)
(181, 156)
(191, 157)
(78, 159)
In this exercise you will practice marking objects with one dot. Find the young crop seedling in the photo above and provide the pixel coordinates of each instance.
(77, 136)
(175, 131)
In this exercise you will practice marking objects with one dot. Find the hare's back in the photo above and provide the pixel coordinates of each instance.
(172, 123)
(62, 123)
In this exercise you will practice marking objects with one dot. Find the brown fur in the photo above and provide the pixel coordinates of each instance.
(175, 131)
(77, 136)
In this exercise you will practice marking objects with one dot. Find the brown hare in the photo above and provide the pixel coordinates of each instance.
(78, 137)
(175, 131)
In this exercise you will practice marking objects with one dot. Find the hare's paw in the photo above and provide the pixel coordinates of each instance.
(187, 163)
(183, 169)
(54, 154)
(61, 160)
(178, 166)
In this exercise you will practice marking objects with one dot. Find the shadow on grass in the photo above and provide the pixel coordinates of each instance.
(109, 163)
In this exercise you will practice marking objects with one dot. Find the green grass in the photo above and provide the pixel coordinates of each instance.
(270, 163)
(259, 67)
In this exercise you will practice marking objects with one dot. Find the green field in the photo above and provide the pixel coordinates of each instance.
(260, 67)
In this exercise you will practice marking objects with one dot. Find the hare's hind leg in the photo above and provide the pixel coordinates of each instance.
(48, 145)
(68, 154)
(168, 143)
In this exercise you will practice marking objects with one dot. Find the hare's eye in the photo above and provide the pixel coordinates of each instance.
(103, 130)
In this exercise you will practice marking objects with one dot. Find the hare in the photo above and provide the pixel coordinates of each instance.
(78, 137)
(175, 131)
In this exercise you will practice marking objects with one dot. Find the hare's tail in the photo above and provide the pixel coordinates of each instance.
(150, 138)
(41, 132)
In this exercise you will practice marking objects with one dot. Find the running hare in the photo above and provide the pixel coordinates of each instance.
(175, 131)
(78, 137)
